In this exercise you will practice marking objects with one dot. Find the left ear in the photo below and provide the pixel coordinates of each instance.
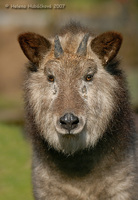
(106, 46)
(34, 46)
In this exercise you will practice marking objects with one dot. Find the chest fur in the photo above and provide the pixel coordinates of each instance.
(100, 182)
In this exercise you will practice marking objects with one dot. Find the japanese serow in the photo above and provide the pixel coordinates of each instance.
(78, 117)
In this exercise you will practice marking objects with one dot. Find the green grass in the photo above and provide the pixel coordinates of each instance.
(15, 173)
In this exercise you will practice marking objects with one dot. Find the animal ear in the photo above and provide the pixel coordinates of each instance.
(106, 46)
(34, 46)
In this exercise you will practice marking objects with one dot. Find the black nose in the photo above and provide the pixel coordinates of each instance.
(69, 121)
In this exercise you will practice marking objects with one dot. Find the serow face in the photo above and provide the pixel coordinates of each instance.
(69, 90)
(69, 93)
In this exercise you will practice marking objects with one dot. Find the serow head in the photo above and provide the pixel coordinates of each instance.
(70, 91)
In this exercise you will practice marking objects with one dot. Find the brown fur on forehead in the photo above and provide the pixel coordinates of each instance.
(71, 60)
(71, 66)
(68, 60)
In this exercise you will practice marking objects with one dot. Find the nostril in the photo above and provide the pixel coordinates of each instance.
(69, 121)
(76, 121)
(62, 120)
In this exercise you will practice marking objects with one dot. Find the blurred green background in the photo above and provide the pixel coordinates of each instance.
(98, 15)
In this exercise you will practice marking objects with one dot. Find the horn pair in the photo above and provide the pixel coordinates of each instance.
(81, 51)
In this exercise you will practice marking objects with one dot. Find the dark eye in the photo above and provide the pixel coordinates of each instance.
(51, 78)
(88, 77)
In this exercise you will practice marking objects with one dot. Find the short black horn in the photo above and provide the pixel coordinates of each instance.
(58, 51)
(82, 49)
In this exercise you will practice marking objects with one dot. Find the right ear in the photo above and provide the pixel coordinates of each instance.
(106, 46)
(34, 46)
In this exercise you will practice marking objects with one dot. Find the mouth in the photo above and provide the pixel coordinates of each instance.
(69, 135)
